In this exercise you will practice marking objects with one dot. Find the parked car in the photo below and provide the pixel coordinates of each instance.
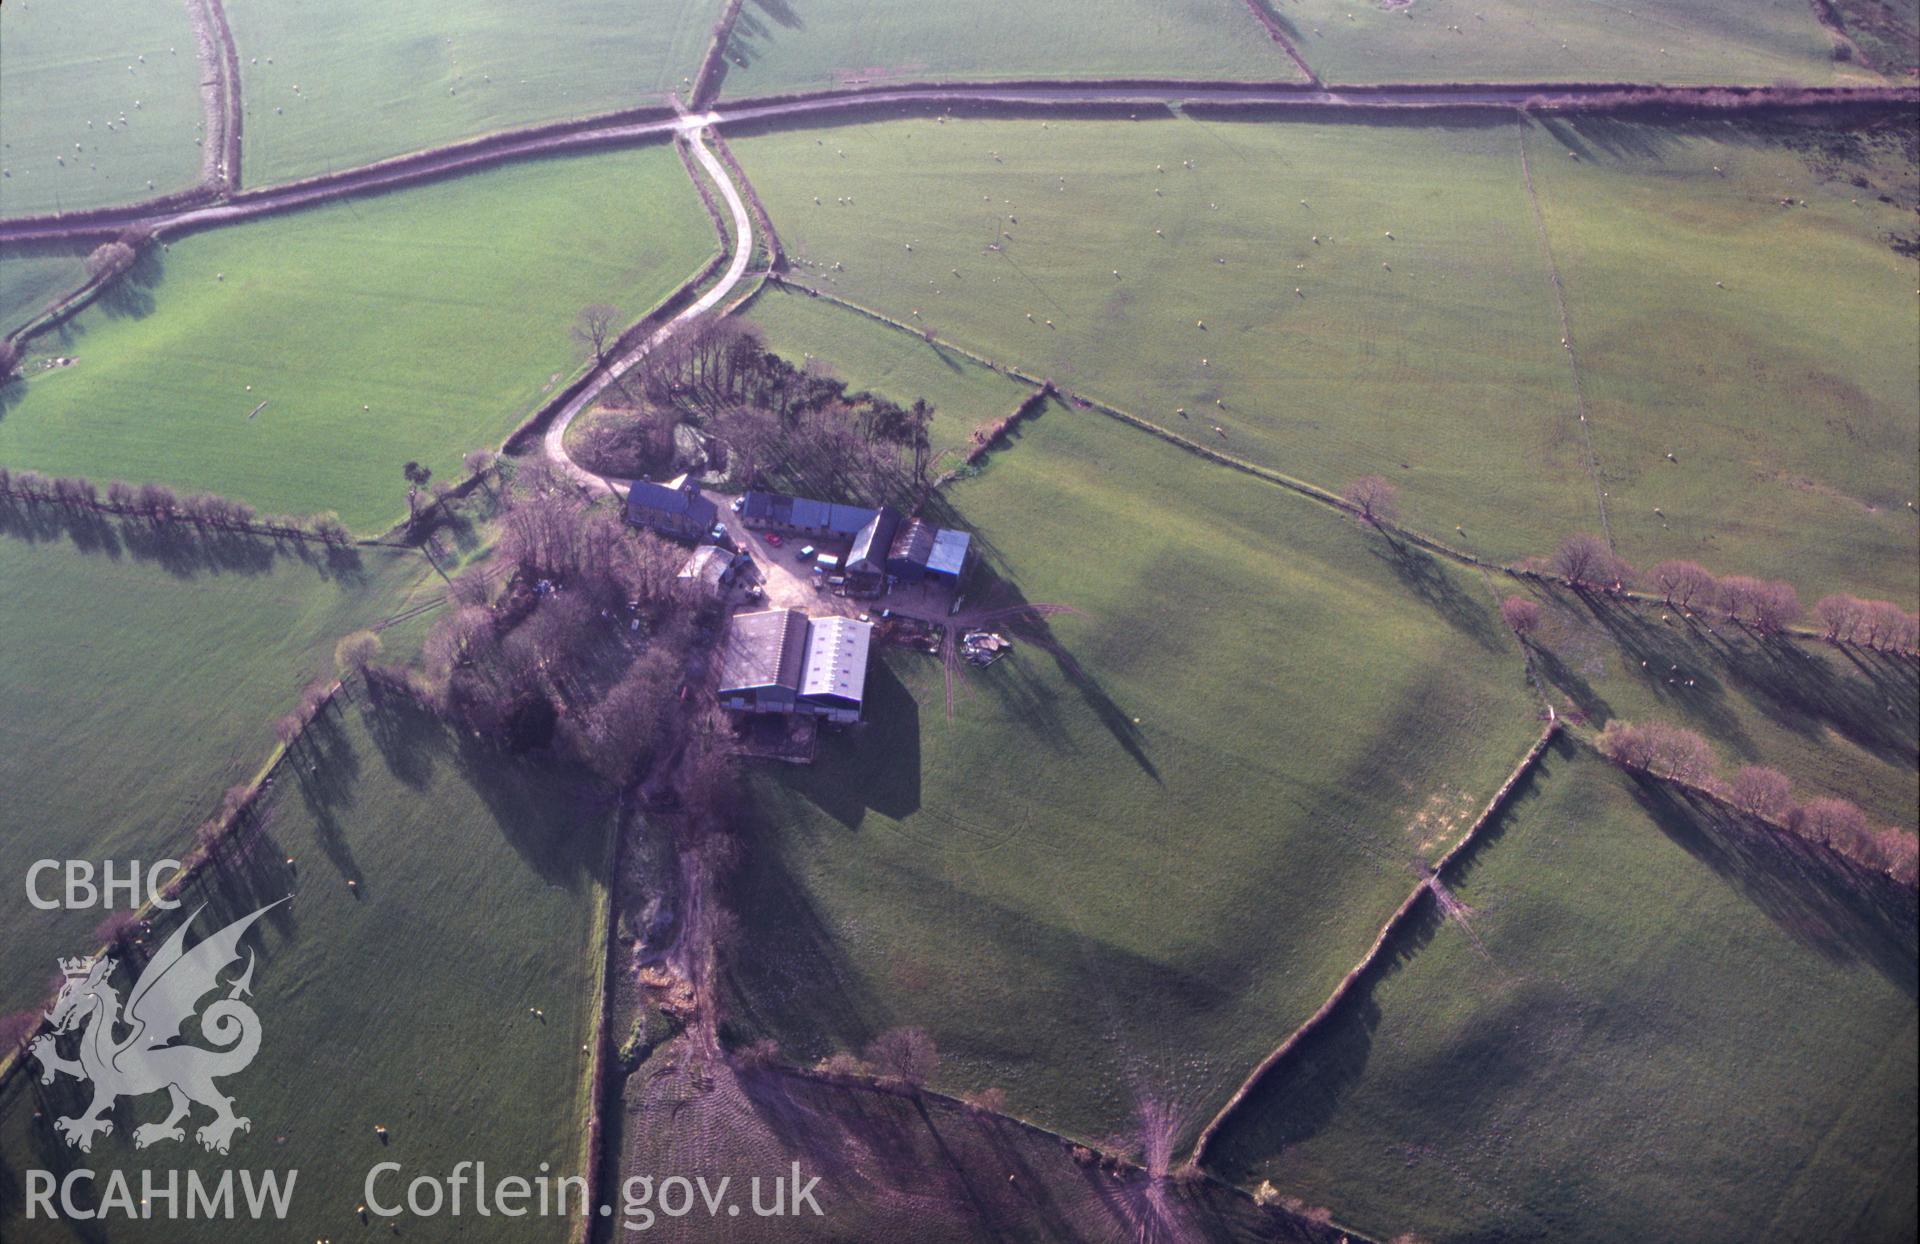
(719, 533)
(773, 538)
(737, 504)
(806, 551)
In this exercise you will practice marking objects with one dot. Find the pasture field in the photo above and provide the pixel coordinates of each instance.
(1432, 356)
(890, 1164)
(414, 326)
(1118, 876)
(810, 45)
(886, 361)
(1755, 42)
(1840, 723)
(1648, 1026)
(73, 67)
(30, 282)
(402, 1002)
(1353, 375)
(356, 81)
(141, 677)
(1769, 347)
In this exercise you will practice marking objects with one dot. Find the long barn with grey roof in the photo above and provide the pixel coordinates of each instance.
(781, 661)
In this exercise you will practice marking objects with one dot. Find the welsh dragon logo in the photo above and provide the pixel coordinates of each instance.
(152, 1055)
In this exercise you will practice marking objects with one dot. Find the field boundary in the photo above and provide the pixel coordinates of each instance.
(606, 944)
(1047, 97)
(1270, 22)
(13, 1061)
(713, 66)
(861, 1083)
(1435, 876)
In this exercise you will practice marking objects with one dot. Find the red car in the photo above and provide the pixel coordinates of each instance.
(773, 538)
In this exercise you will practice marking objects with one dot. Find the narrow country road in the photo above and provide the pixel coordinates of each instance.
(601, 132)
(555, 441)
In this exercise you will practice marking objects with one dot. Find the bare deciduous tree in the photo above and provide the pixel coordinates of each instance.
(1586, 561)
(1681, 583)
(596, 328)
(1737, 596)
(1832, 822)
(1776, 606)
(355, 652)
(1841, 614)
(1375, 497)
(1521, 614)
(1763, 792)
(907, 1055)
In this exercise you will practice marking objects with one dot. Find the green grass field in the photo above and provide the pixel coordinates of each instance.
(444, 310)
(28, 283)
(1121, 876)
(1432, 356)
(73, 67)
(402, 1002)
(809, 45)
(377, 80)
(1649, 1027)
(1349, 377)
(1839, 723)
(872, 356)
(142, 677)
(1769, 348)
(1671, 41)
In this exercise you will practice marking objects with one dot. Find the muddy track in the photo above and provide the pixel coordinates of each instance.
(219, 96)
(652, 124)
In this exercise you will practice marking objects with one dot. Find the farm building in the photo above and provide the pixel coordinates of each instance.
(912, 546)
(710, 568)
(866, 566)
(781, 661)
(674, 508)
(948, 559)
(800, 516)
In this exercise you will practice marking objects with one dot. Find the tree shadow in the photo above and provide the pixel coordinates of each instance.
(181, 549)
(130, 296)
(1848, 914)
(1422, 574)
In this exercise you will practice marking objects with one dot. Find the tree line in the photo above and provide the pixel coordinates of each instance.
(1766, 794)
(1769, 606)
(1587, 563)
(160, 506)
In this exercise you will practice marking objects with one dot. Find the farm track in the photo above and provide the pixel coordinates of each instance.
(554, 441)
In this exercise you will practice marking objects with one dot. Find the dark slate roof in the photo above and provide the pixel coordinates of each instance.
(913, 543)
(765, 649)
(645, 497)
(847, 520)
(869, 551)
